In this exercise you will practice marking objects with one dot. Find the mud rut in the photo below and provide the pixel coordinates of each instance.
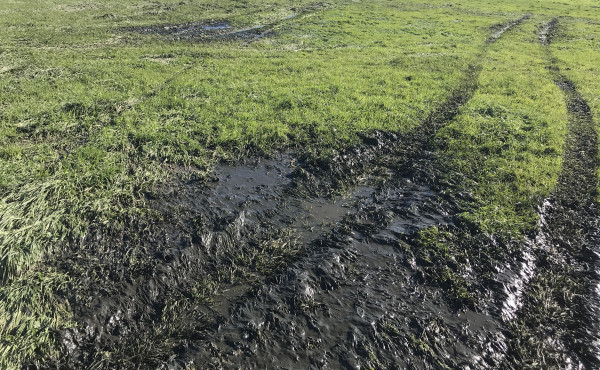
(561, 310)
(221, 29)
(340, 286)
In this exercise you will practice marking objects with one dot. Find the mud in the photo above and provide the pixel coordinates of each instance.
(359, 297)
(560, 309)
(354, 300)
(185, 30)
(209, 245)
(296, 262)
(500, 29)
(219, 29)
(547, 32)
(206, 31)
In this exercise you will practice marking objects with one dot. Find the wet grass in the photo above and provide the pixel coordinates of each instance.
(95, 117)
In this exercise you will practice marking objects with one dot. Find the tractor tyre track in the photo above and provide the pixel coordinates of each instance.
(404, 153)
(560, 312)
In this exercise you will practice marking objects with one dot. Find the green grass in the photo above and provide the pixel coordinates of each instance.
(508, 140)
(92, 116)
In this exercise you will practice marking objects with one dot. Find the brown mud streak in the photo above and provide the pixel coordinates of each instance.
(567, 239)
(124, 327)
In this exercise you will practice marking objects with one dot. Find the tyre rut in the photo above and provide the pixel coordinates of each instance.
(561, 305)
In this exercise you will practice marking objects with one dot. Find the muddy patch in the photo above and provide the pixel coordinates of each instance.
(187, 30)
(216, 30)
(354, 301)
(500, 29)
(263, 265)
(163, 282)
(353, 298)
(547, 32)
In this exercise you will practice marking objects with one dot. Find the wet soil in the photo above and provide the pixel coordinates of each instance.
(219, 29)
(560, 309)
(353, 300)
(291, 263)
(499, 29)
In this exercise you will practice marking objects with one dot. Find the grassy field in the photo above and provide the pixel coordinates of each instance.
(95, 115)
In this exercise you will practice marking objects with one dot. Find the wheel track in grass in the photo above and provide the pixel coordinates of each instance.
(212, 30)
(125, 316)
(560, 312)
(413, 148)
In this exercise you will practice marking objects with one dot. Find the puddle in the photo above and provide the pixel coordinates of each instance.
(513, 283)
(217, 26)
(514, 279)
(254, 32)
(194, 29)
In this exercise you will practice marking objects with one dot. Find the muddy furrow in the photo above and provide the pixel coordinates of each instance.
(215, 258)
(422, 140)
(560, 310)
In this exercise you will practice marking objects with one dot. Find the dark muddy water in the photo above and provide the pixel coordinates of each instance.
(216, 229)
(356, 300)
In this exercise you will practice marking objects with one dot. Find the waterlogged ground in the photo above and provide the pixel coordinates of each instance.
(309, 185)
